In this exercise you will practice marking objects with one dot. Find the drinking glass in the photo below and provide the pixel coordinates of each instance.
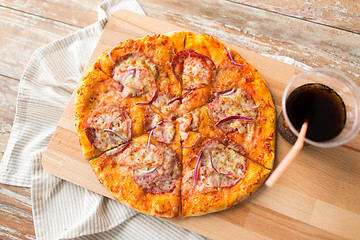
(344, 87)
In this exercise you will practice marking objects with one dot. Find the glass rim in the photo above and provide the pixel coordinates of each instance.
(333, 142)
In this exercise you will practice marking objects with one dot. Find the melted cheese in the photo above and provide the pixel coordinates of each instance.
(162, 103)
(159, 178)
(143, 157)
(132, 87)
(151, 119)
(137, 155)
(230, 167)
(138, 82)
(195, 73)
(102, 141)
(105, 140)
(228, 161)
(164, 132)
(247, 104)
(239, 103)
(100, 121)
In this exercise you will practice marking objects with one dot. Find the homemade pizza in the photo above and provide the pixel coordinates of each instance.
(176, 124)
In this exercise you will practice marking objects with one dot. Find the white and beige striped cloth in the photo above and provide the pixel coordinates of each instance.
(62, 210)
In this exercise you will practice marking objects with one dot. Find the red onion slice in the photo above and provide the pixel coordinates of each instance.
(231, 59)
(113, 132)
(123, 77)
(233, 117)
(212, 165)
(108, 125)
(147, 103)
(109, 54)
(256, 106)
(196, 170)
(187, 93)
(128, 73)
(108, 130)
(147, 171)
(174, 100)
(197, 140)
(187, 53)
(148, 142)
(228, 93)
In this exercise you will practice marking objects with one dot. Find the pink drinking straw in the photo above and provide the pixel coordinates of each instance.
(289, 156)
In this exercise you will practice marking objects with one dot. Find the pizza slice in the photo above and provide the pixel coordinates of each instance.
(215, 177)
(104, 117)
(237, 121)
(144, 174)
(195, 67)
(243, 109)
(112, 106)
(237, 110)
(101, 114)
(247, 124)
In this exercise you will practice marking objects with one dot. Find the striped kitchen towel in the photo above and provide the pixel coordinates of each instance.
(62, 210)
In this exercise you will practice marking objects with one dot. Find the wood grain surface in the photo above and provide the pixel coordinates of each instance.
(63, 158)
(317, 33)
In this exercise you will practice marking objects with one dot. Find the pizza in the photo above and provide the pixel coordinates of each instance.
(176, 124)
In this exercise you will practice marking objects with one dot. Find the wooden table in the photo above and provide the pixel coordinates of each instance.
(317, 33)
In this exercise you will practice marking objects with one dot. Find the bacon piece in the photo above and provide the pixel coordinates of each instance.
(190, 121)
(194, 99)
(162, 103)
(185, 122)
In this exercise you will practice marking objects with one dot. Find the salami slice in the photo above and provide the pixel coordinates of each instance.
(164, 132)
(233, 111)
(160, 179)
(155, 168)
(108, 127)
(219, 167)
(136, 75)
(151, 119)
(193, 69)
(140, 155)
(167, 105)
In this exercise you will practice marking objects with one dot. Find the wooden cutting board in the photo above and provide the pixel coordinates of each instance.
(318, 197)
